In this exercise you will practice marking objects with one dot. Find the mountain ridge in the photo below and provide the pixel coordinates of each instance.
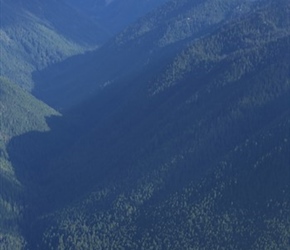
(182, 147)
(153, 47)
(207, 149)
(35, 35)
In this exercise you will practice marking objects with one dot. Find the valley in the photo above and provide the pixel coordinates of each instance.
(172, 134)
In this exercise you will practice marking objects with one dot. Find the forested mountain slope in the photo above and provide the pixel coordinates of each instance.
(191, 155)
(19, 113)
(115, 15)
(148, 44)
(35, 34)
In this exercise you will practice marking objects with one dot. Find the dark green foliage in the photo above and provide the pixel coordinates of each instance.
(19, 113)
(180, 146)
(34, 35)
(188, 152)
(149, 45)
(115, 15)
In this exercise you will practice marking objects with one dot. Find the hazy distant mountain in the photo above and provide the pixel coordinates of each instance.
(35, 34)
(115, 15)
(175, 135)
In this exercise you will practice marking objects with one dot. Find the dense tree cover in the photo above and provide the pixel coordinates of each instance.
(19, 114)
(148, 44)
(179, 20)
(34, 35)
(115, 15)
(183, 143)
(233, 46)
(190, 152)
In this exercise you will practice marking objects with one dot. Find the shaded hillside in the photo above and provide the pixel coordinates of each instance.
(191, 155)
(35, 34)
(146, 45)
(19, 114)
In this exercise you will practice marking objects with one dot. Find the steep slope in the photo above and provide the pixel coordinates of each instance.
(19, 114)
(36, 34)
(149, 44)
(115, 15)
(192, 155)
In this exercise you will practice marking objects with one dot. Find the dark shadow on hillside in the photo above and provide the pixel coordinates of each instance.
(60, 165)
(53, 84)
(30, 153)
(68, 83)
(39, 161)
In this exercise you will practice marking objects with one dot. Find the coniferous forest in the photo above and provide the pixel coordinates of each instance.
(145, 124)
